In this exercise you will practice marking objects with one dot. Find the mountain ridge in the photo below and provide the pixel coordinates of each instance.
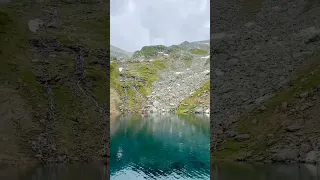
(143, 81)
(118, 52)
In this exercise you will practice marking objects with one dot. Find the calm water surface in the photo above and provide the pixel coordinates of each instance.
(160, 147)
(242, 171)
(219, 172)
(55, 172)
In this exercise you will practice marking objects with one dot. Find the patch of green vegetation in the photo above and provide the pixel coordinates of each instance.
(67, 40)
(147, 52)
(303, 80)
(187, 59)
(191, 102)
(199, 51)
(252, 6)
(75, 114)
(115, 77)
(67, 109)
(145, 74)
(230, 149)
(175, 49)
(11, 45)
(101, 88)
(76, 121)
(91, 31)
(5, 21)
(158, 64)
(149, 72)
(134, 102)
(67, 61)
(150, 51)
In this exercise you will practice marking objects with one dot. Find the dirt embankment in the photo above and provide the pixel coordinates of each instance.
(54, 81)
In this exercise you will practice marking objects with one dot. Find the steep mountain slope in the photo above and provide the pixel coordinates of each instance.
(120, 53)
(53, 81)
(266, 61)
(159, 78)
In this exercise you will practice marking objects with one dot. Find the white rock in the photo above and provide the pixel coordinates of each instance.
(34, 25)
(206, 72)
(205, 57)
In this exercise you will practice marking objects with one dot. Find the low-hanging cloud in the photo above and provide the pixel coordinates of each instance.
(137, 23)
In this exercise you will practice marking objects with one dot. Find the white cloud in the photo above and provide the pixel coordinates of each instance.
(131, 6)
(157, 41)
(137, 23)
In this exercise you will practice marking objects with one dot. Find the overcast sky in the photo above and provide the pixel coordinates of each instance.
(138, 23)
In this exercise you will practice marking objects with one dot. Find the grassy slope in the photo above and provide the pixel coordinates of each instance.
(305, 79)
(77, 129)
(146, 73)
(192, 102)
(199, 51)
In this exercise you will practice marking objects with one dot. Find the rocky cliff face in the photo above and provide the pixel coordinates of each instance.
(257, 52)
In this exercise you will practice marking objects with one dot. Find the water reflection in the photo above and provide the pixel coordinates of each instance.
(55, 172)
(160, 147)
(243, 171)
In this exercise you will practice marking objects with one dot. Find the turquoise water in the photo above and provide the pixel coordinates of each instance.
(160, 147)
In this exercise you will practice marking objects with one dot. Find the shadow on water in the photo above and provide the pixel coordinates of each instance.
(160, 147)
(243, 171)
